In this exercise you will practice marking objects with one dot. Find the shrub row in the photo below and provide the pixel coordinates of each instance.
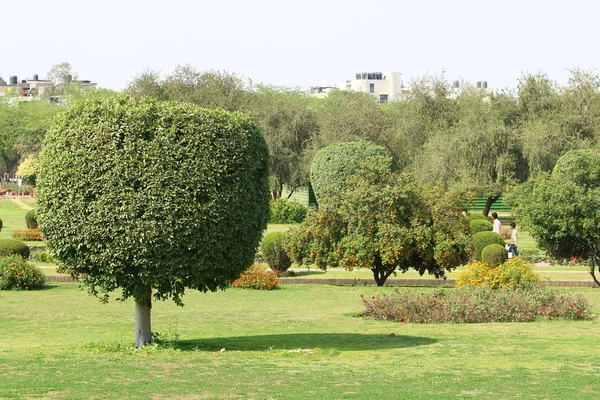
(29, 235)
(477, 305)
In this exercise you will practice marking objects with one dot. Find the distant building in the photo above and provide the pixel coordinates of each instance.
(29, 89)
(384, 86)
(322, 91)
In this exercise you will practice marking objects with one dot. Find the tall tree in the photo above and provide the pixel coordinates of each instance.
(152, 198)
(22, 129)
(288, 121)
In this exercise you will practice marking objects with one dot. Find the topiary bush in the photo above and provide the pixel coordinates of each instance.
(31, 219)
(273, 253)
(10, 247)
(480, 225)
(285, 211)
(477, 216)
(333, 165)
(494, 255)
(16, 273)
(483, 239)
(257, 277)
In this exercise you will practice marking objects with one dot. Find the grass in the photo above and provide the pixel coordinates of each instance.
(61, 343)
(12, 213)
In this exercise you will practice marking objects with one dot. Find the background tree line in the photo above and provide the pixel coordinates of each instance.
(472, 139)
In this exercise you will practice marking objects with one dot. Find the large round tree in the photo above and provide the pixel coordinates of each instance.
(152, 198)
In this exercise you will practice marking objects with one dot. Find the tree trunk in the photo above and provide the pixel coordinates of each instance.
(11, 163)
(488, 204)
(143, 331)
(379, 274)
(593, 269)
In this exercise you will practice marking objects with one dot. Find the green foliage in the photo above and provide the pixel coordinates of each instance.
(16, 273)
(494, 255)
(480, 225)
(273, 253)
(1, 224)
(477, 216)
(13, 247)
(257, 277)
(334, 164)
(31, 219)
(384, 222)
(288, 121)
(561, 211)
(285, 211)
(140, 194)
(478, 305)
(514, 273)
(41, 254)
(483, 239)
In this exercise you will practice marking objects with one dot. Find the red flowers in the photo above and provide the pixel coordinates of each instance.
(372, 297)
(543, 309)
(362, 296)
(402, 319)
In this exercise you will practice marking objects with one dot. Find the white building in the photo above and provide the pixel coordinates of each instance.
(384, 86)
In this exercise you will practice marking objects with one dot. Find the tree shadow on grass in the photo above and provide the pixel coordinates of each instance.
(295, 341)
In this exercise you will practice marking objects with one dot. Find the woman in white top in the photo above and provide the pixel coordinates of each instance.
(512, 245)
(497, 224)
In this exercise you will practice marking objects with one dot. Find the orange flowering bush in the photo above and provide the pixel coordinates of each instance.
(384, 222)
(257, 277)
(29, 235)
(16, 273)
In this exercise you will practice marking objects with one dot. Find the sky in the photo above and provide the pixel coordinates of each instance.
(301, 43)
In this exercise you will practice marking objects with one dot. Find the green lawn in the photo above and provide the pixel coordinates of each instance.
(12, 213)
(61, 343)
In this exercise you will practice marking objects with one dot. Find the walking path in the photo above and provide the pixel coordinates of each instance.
(18, 202)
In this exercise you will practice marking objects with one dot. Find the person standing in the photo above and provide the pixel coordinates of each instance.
(497, 224)
(512, 245)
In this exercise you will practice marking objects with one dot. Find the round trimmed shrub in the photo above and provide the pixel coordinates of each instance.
(494, 255)
(477, 216)
(480, 225)
(31, 219)
(9, 247)
(273, 253)
(285, 211)
(16, 273)
(483, 239)
(333, 165)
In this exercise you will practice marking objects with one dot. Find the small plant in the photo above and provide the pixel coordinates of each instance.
(16, 273)
(9, 247)
(31, 219)
(285, 211)
(477, 305)
(494, 255)
(28, 235)
(480, 225)
(1, 225)
(273, 253)
(257, 277)
(483, 239)
(512, 273)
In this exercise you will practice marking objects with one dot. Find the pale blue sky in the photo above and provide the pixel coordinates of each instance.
(301, 43)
